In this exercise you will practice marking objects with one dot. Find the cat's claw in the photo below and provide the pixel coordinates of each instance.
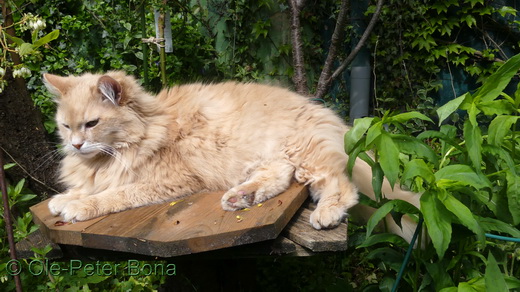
(327, 217)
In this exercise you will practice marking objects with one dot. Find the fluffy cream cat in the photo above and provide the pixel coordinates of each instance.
(126, 148)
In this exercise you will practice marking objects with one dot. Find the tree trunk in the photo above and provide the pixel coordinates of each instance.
(24, 139)
(22, 135)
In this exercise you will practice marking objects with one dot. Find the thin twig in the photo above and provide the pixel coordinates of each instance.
(337, 37)
(359, 45)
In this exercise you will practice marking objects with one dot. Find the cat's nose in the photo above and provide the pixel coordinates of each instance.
(77, 146)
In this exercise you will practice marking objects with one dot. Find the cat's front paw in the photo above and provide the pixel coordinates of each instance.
(239, 197)
(80, 210)
(327, 217)
(58, 202)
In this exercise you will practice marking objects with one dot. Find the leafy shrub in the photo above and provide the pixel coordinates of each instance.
(469, 183)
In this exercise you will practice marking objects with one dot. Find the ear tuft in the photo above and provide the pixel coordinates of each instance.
(57, 85)
(110, 90)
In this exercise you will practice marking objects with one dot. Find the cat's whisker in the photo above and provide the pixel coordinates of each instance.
(111, 151)
(50, 156)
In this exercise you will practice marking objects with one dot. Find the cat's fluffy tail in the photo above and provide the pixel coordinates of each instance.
(362, 178)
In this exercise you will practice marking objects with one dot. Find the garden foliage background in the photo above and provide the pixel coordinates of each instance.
(449, 65)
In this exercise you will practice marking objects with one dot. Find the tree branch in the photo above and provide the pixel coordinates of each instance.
(326, 83)
(299, 78)
(337, 37)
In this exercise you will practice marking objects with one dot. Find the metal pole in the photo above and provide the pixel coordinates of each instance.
(8, 222)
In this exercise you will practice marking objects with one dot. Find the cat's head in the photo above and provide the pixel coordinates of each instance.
(93, 114)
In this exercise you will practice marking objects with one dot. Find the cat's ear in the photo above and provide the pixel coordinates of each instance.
(111, 90)
(57, 85)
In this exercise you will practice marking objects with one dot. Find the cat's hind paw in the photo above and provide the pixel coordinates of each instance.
(327, 217)
(238, 198)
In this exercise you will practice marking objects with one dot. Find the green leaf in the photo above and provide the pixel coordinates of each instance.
(377, 181)
(388, 157)
(438, 221)
(379, 215)
(473, 139)
(405, 117)
(446, 110)
(410, 145)
(19, 186)
(9, 165)
(513, 196)
(25, 49)
(497, 82)
(464, 215)
(17, 41)
(384, 238)
(356, 132)
(461, 175)
(492, 224)
(373, 133)
(417, 167)
(494, 277)
(496, 107)
(499, 127)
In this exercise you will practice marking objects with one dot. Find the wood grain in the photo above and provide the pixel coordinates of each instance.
(300, 231)
(194, 224)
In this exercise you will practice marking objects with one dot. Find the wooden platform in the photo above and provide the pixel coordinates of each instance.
(192, 225)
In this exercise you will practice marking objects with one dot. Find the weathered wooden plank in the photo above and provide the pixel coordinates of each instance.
(300, 231)
(57, 230)
(38, 240)
(192, 225)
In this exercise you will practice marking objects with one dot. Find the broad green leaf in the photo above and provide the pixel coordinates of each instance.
(356, 132)
(17, 41)
(497, 82)
(417, 167)
(379, 215)
(373, 133)
(377, 181)
(384, 238)
(499, 128)
(405, 117)
(438, 222)
(388, 157)
(9, 165)
(473, 111)
(443, 137)
(46, 38)
(496, 107)
(464, 215)
(446, 110)
(439, 273)
(473, 138)
(25, 49)
(503, 158)
(462, 175)
(513, 196)
(411, 145)
(492, 224)
(19, 186)
(392, 257)
(494, 278)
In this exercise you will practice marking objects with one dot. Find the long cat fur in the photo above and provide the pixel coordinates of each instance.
(125, 148)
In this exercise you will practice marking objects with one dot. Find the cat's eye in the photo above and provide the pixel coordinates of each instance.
(66, 126)
(91, 124)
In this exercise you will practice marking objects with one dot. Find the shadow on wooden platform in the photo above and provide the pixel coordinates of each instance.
(193, 225)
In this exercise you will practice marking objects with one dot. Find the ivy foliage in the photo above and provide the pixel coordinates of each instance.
(423, 47)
